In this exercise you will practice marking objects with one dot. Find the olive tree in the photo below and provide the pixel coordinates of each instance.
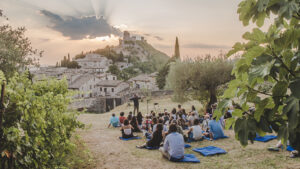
(199, 78)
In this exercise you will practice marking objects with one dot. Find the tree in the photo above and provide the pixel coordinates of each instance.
(193, 78)
(113, 69)
(268, 58)
(162, 75)
(35, 128)
(16, 52)
(177, 52)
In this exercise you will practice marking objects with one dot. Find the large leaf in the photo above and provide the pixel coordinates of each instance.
(295, 88)
(280, 89)
(259, 71)
(291, 109)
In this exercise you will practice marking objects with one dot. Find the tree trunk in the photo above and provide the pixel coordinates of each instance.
(213, 97)
(1, 106)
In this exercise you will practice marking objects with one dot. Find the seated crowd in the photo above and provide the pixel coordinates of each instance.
(170, 130)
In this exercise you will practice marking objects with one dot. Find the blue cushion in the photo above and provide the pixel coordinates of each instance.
(127, 139)
(289, 148)
(265, 138)
(189, 158)
(187, 146)
(210, 150)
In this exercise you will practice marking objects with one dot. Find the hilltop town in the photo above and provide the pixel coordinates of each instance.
(99, 90)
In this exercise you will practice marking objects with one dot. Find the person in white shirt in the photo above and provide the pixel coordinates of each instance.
(173, 148)
(195, 132)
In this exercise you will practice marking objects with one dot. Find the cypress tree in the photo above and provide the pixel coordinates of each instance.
(177, 52)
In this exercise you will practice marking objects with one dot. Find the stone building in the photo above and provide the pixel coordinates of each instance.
(110, 87)
(94, 62)
(85, 86)
(144, 81)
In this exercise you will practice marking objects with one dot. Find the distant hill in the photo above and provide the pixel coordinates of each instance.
(138, 52)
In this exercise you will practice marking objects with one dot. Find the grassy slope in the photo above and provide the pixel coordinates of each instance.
(113, 153)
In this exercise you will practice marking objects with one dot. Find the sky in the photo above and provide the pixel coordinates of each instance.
(59, 27)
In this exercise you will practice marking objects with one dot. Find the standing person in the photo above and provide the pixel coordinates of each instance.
(135, 100)
(173, 148)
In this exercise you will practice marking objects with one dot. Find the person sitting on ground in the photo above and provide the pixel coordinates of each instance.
(173, 148)
(135, 125)
(140, 119)
(205, 122)
(173, 113)
(114, 121)
(147, 122)
(152, 114)
(179, 129)
(154, 124)
(166, 117)
(195, 111)
(129, 117)
(161, 121)
(122, 118)
(183, 115)
(179, 108)
(156, 138)
(181, 122)
(127, 130)
(195, 132)
(191, 118)
(215, 130)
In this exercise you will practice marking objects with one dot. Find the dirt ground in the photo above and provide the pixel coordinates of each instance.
(112, 153)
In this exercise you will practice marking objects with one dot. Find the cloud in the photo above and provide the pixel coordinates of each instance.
(80, 28)
(158, 38)
(204, 46)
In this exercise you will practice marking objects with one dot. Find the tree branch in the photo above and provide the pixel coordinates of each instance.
(261, 92)
(283, 64)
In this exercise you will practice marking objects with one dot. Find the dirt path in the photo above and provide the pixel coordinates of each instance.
(112, 153)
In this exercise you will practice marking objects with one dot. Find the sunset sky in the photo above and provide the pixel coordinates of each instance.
(60, 27)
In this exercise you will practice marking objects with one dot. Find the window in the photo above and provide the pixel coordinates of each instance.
(114, 78)
(106, 78)
(90, 86)
(91, 95)
(105, 90)
(82, 95)
(100, 89)
(112, 89)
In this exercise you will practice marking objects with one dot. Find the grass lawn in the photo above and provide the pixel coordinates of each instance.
(111, 152)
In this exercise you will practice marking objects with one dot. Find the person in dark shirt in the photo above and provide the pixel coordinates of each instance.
(140, 119)
(134, 124)
(135, 100)
(156, 138)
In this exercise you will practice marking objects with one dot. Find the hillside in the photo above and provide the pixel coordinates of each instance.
(111, 153)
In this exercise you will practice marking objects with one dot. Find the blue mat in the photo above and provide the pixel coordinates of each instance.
(265, 138)
(209, 150)
(189, 158)
(289, 148)
(207, 138)
(187, 146)
(127, 139)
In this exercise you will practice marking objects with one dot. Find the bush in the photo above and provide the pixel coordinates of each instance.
(36, 127)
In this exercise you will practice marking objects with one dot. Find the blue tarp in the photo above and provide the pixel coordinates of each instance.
(127, 139)
(210, 150)
(265, 138)
(187, 146)
(189, 158)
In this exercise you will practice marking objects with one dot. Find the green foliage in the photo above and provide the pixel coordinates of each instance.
(162, 76)
(267, 75)
(66, 62)
(201, 77)
(37, 127)
(16, 52)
